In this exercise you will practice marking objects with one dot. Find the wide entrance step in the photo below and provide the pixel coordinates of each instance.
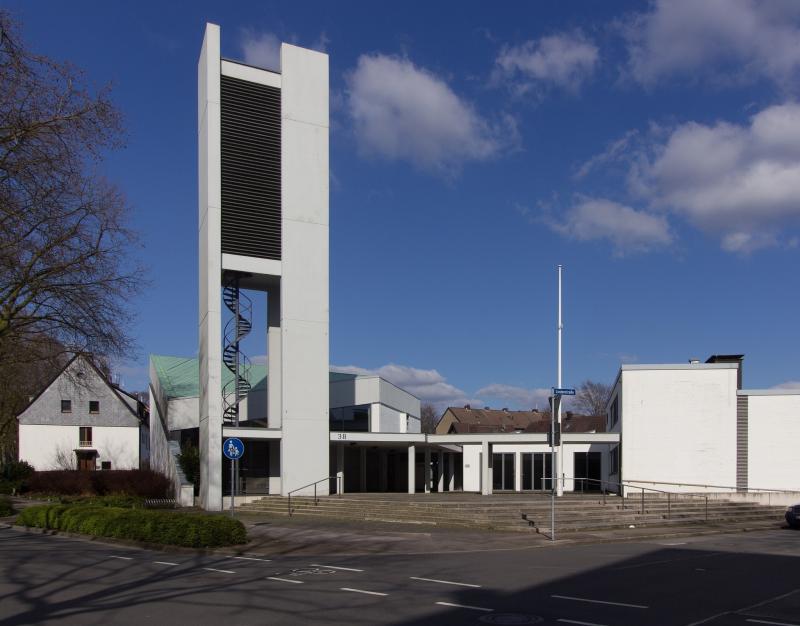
(575, 513)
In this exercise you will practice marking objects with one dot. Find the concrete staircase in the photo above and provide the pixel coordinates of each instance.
(575, 513)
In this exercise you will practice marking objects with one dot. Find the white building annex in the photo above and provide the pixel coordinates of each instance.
(82, 421)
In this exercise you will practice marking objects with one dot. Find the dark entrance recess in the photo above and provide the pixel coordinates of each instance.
(588, 465)
(537, 468)
(503, 472)
(86, 460)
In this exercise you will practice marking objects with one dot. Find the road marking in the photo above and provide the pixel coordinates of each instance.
(124, 558)
(250, 558)
(371, 593)
(632, 606)
(763, 621)
(344, 569)
(465, 606)
(444, 582)
(675, 543)
(285, 580)
(574, 621)
(221, 571)
(164, 563)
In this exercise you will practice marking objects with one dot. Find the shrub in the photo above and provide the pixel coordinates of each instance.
(121, 501)
(189, 460)
(140, 483)
(5, 507)
(192, 530)
(13, 476)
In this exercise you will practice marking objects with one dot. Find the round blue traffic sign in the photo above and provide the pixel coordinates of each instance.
(233, 448)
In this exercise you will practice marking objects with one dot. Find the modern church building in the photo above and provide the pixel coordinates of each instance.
(263, 228)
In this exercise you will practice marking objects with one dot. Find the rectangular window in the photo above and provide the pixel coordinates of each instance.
(106, 465)
(350, 418)
(85, 436)
(94, 406)
(614, 460)
(66, 406)
(613, 413)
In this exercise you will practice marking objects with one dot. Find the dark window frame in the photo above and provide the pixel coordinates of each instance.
(83, 440)
(66, 406)
(96, 410)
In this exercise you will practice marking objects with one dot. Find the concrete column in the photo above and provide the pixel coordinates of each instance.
(274, 359)
(403, 423)
(362, 467)
(440, 481)
(428, 479)
(412, 460)
(383, 469)
(340, 467)
(210, 270)
(451, 486)
(486, 468)
(375, 417)
(518, 471)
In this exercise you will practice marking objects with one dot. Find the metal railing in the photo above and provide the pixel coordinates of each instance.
(314, 484)
(725, 487)
(623, 484)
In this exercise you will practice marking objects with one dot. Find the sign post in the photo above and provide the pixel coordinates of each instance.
(233, 449)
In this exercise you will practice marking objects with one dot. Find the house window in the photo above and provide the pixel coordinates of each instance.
(85, 436)
(106, 465)
(614, 458)
(94, 406)
(66, 406)
(613, 412)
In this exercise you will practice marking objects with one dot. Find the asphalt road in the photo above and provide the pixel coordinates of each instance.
(744, 579)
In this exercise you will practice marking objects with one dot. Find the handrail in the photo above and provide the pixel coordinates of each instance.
(314, 484)
(663, 482)
(643, 489)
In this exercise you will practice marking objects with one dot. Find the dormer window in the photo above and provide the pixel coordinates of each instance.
(66, 406)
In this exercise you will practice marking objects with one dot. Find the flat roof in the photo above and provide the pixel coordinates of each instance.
(679, 366)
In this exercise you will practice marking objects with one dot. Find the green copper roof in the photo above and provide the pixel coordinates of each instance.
(180, 377)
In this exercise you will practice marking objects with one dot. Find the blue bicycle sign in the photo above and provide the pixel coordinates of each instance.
(233, 448)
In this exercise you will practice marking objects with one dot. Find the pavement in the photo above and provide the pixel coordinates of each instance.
(725, 579)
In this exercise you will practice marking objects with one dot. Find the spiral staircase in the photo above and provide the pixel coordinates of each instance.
(237, 327)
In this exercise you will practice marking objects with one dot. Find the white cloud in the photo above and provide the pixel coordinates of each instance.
(516, 397)
(789, 384)
(733, 40)
(741, 181)
(565, 60)
(404, 112)
(629, 230)
(427, 385)
(261, 49)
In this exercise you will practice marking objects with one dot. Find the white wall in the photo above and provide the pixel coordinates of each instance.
(773, 426)
(679, 425)
(39, 444)
(471, 470)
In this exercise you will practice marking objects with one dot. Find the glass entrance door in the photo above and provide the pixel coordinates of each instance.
(588, 471)
(503, 472)
(536, 471)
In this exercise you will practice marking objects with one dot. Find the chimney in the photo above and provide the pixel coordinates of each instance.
(505, 409)
(694, 361)
(467, 406)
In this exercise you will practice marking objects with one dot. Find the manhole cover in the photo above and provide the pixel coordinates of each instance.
(510, 619)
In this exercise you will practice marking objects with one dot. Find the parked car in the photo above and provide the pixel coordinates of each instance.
(793, 516)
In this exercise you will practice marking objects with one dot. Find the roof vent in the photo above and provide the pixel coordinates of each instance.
(694, 361)
(467, 406)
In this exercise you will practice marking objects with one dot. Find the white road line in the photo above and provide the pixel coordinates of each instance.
(344, 569)
(124, 558)
(632, 606)
(371, 593)
(164, 563)
(285, 580)
(221, 571)
(675, 543)
(574, 621)
(444, 582)
(763, 621)
(250, 558)
(465, 606)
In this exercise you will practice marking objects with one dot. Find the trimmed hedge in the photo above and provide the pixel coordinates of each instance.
(191, 530)
(141, 483)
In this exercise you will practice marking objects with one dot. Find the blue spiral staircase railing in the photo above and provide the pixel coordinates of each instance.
(235, 390)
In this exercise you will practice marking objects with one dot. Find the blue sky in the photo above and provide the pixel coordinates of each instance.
(653, 149)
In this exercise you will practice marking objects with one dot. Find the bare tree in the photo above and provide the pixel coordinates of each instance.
(65, 274)
(428, 418)
(591, 398)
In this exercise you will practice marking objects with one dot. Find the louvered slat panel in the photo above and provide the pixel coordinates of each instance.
(251, 168)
